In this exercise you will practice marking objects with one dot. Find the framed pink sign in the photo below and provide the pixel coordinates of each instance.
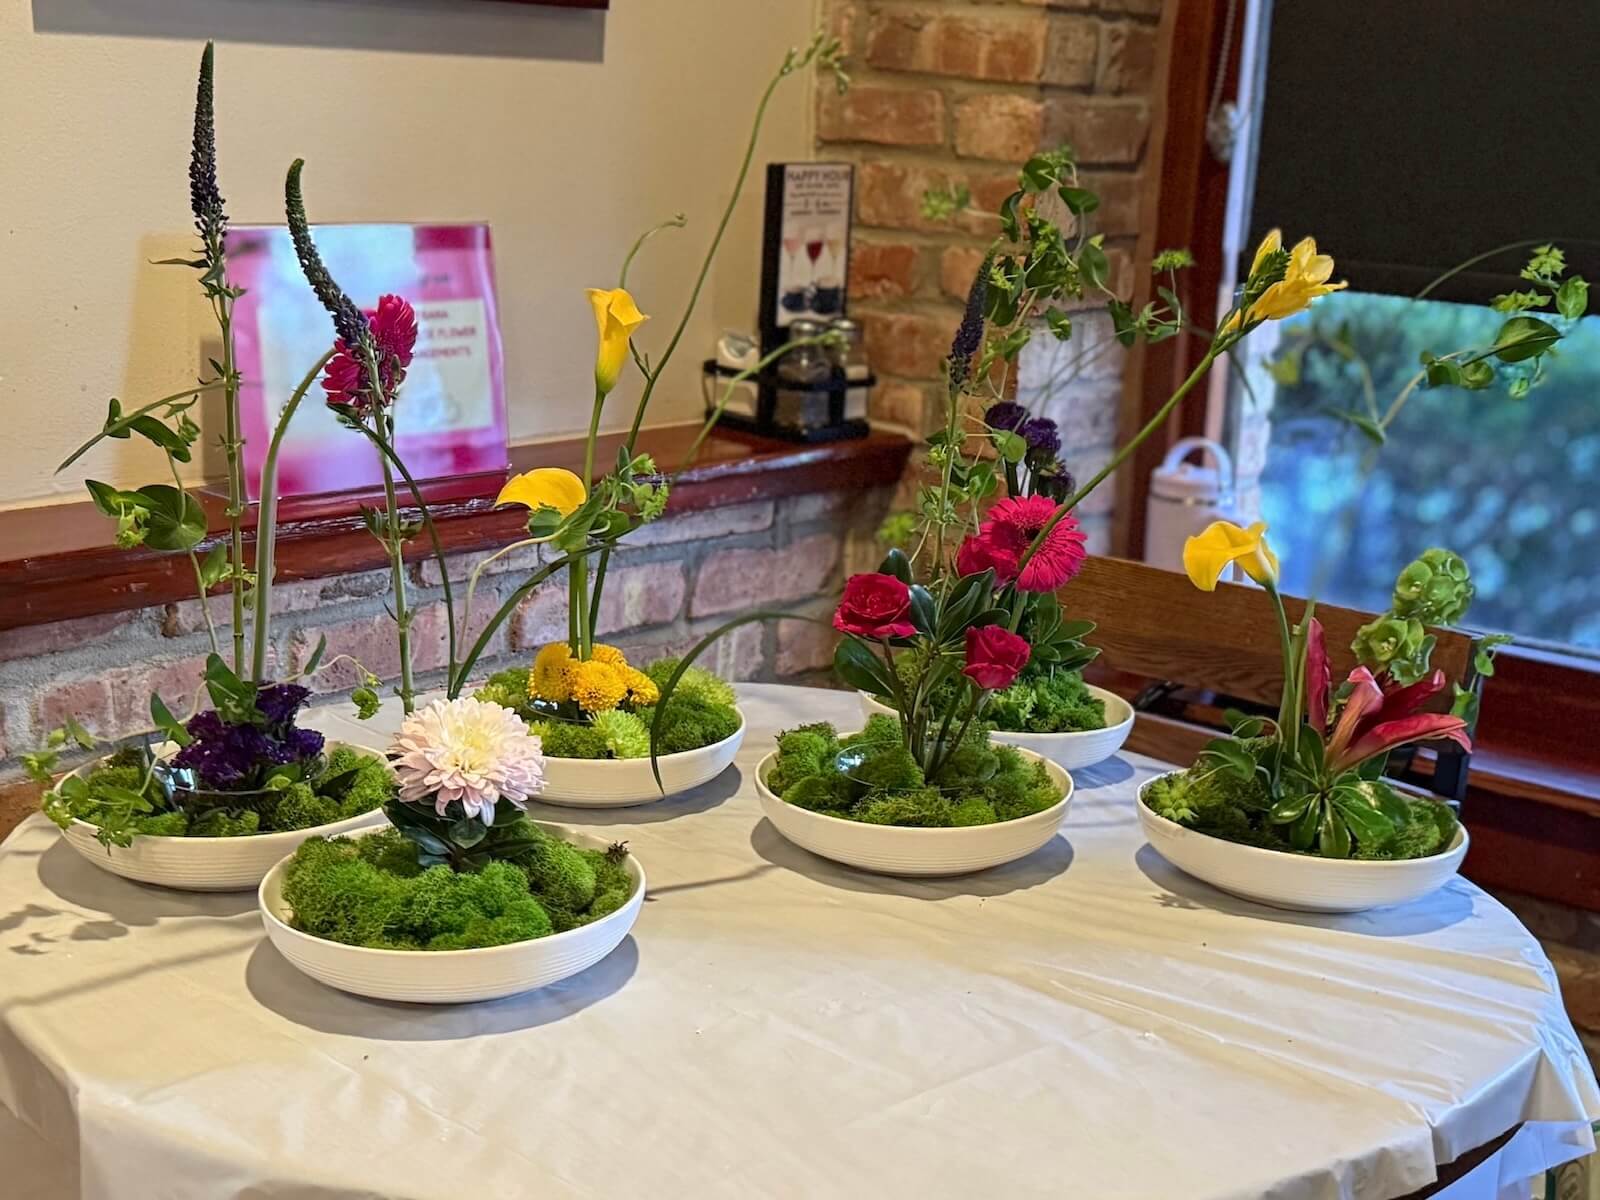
(451, 414)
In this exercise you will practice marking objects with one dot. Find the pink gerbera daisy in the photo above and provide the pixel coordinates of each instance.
(1014, 523)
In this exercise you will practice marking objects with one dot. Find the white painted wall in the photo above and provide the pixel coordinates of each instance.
(568, 131)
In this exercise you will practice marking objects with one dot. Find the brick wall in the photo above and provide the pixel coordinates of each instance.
(676, 580)
(949, 92)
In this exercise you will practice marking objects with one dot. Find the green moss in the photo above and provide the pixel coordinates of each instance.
(691, 724)
(698, 685)
(165, 824)
(299, 807)
(370, 891)
(219, 822)
(984, 783)
(1220, 805)
(509, 689)
(372, 787)
(566, 739)
(1043, 701)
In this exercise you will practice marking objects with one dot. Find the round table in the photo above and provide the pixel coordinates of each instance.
(1088, 1022)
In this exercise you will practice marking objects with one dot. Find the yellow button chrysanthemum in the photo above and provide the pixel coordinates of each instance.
(642, 690)
(596, 686)
(610, 655)
(547, 680)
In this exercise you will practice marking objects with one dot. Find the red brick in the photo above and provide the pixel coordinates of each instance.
(999, 126)
(1113, 132)
(904, 404)
(1120, 200)
(883, 270)
(958, 265)
(975, 47)
(890, 194)
(909, 344)
(1127, 59)
(803, 646)
(33, 641)
(731, 580)
(819, 505)
(185, 617)
(178, 683)
(373, 643)
(888, 116)
(702, 526)
(89, 701)
(634, 597)
(989, 191)
(841, 19)
(1070, 52)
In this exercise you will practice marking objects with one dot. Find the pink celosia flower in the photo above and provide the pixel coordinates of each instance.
(393, 325)
(468, 750)
(1014, 523)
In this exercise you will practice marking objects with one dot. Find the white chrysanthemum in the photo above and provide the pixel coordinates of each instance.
(467, 750)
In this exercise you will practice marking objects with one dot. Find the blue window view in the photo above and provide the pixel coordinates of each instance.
(1510, 484)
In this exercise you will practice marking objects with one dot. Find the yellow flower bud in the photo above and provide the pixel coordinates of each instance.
(616, 316)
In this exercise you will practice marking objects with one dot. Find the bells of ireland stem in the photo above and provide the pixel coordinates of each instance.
(1400, 646)
(616, 316)
(1435, 588)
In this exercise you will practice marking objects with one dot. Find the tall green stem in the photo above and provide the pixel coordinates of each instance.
(267, 524)
(397, 571)
(232, 445)
(1288, 701)
(199, 575)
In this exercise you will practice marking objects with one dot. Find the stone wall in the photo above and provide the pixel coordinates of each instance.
(948, 92)
(676, 580)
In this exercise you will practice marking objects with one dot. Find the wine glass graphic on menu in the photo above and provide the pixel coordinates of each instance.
(795, 298)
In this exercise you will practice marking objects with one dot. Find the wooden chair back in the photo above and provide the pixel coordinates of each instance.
(1153, 624)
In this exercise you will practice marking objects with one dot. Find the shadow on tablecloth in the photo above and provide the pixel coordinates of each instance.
(1044, 864)
(278, 986)
(1439, 910)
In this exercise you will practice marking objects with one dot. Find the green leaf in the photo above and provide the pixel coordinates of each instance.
(1522, 338)
(157, 432)
(214, 566)
(1572, 298)
(1059, 324)
(1443, 372)
(1122, 322)
(859, 667)
(315, 660)
(1363, 806)
(81, 736)
(1232, 757)
(1078, 200)
(232, 697)
(924, 612)
(168, 724)
(1092, 265)
(1039, 173)
(1477, 375)
(1333, 834)
(125, 797)
(467, 832)
(1010, 227)
(176, 520)
(896, 563)
(1010, 446)
(1368, 427)
(1290, 807)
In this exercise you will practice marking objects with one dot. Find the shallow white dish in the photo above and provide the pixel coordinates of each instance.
(897, 850)
(205, 864)
(1302, 882)
(451, 976)
(1072, 751)
(621, 782)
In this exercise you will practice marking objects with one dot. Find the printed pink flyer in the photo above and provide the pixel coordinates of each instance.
(451, 413)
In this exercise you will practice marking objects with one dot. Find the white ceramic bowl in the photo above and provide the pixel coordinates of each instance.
(1073, 751)
(897, 850)
(1302, 882)
(205, 864)
(450, 976)
(620, 782)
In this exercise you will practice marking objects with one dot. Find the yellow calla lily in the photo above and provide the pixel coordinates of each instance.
(1305, 278)
(1208, 554)
(616, 316)
(552, 487)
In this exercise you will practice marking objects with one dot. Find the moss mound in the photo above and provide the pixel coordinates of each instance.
(882, 784)
(370, 891)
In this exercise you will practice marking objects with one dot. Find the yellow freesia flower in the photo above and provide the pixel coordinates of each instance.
(1303, 281)
(1208, 554)
(616, 316)
(553, 487)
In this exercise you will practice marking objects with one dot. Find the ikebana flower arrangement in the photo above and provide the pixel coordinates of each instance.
(1309, 780)
(463, 867)
(582, 697)
(241, 767)
(965, 627)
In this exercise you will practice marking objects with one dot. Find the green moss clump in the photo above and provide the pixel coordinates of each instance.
(219, 822)
(371, 892)
(697, 684)
(691, 723)
(983, 783)
(625, 734)
(567, 739)
(1044, 701)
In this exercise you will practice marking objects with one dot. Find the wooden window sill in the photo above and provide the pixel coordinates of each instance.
(57, 561)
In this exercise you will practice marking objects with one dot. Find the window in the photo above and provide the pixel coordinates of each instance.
(1507, 483)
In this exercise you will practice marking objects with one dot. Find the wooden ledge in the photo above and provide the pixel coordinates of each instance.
(57, 561)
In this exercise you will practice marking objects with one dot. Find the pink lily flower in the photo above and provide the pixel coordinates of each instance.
(1374, 722)
(1319, 678)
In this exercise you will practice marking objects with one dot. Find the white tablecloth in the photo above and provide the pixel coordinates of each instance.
(1086, 1023)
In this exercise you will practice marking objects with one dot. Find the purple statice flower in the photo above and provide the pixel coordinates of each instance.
(1007, 415)
(303, 743)
(278, 702)
(1053, 480)
(1043, 438)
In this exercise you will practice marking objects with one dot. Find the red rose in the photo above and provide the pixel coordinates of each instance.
(995, 657)
(874, 606)
(981, 552)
